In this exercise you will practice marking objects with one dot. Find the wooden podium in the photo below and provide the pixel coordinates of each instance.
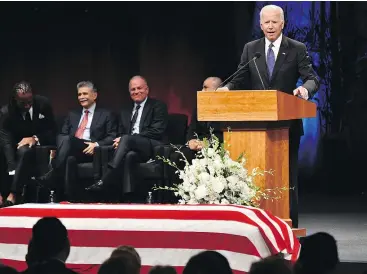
(259, 122)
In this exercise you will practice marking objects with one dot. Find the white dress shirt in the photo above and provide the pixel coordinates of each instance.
(86, 134)
(135, 129)
(276, 46)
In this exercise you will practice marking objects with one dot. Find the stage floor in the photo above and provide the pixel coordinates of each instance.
(344, 217)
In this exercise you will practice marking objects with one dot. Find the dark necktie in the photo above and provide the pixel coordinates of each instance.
(27, 117)
(270, 60)
(135, 116)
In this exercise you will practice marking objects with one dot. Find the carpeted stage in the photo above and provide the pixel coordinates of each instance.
(344, 217)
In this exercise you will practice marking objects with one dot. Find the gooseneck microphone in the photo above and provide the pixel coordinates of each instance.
(257, 69)
(257, 55)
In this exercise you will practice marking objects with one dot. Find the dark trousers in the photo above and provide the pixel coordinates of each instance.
(131, 150)
(294, 142)
(21, 160)
(69, 146)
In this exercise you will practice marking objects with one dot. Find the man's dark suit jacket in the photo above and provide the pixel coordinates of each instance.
(13, 128)
(202, 129)
(291, 64)
(153, 121)
(102, 130)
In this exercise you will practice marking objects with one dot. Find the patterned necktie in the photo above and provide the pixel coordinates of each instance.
(270, 60)
(79, 133)
(135, 116)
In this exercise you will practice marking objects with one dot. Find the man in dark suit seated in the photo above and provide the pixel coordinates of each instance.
(142, 126)
(282, 62)
(197, 130)
(27, 121)
(83, 130)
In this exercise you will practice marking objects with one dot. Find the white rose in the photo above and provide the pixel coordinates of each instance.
(217, 185)
(203, 162)
(204, 177)
(224, 202)
(201, 192)
(210, 152)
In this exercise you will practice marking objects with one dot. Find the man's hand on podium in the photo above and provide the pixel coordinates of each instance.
(301, 91)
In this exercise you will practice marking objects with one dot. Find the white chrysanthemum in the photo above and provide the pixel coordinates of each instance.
(224, 202)
(201, 192)
(210, 152)
(217, 185)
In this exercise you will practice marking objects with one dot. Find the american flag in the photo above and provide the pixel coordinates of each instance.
(162, 234)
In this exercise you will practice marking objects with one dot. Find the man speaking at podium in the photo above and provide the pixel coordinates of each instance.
(276, 62)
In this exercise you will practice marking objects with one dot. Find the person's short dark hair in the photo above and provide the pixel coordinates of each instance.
(129, 255)
(7, 270)
(319, 254)
(162, 269)
(207, 262)
(116, 265)
(22, 87)
(49, 238)
(271, 265)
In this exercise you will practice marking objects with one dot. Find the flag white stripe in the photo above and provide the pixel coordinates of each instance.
(227, 227)
(149, 256)
(244, 210)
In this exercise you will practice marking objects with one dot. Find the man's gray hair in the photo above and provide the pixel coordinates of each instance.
(87, 84)
(275, 8)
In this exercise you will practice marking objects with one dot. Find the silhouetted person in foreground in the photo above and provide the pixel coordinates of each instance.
(208, 262)
(49, 248)
(271, 265)
(319, 254)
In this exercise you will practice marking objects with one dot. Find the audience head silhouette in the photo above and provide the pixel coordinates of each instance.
(208, 262)
(7, 270)
(271, 265)
(130, 257)
(162, 269)
(117, 265)
(46, 245)
(319, 254)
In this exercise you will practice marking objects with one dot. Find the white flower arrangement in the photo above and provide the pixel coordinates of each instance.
(214, 178)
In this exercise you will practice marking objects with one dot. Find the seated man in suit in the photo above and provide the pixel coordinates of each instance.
(83, 130)
(142, 126)
(25, 122)
(201, 129)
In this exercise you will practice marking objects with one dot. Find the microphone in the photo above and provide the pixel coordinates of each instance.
(257, 69)
(257, 55)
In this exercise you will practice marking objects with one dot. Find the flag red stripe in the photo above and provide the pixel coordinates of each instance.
(92, 269)
(142, 239)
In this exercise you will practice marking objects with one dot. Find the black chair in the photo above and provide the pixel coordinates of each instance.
(155, 171)
(77, 175)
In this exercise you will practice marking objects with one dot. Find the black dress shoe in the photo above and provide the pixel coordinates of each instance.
(8, 203)
(96, 187)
